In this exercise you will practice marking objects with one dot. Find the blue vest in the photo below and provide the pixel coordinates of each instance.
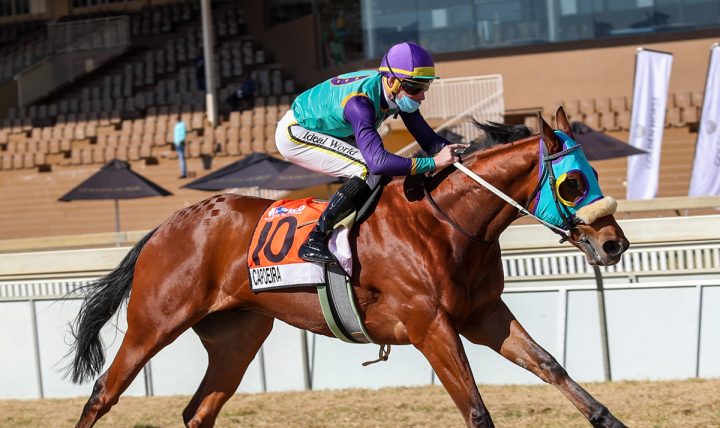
(320, 108)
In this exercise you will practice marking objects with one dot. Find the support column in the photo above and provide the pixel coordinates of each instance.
(552, 20)
(209, 55)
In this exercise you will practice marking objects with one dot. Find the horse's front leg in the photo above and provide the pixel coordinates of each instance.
(432, 333)
(497, 328)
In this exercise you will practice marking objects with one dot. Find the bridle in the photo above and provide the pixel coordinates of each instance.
(570, 221)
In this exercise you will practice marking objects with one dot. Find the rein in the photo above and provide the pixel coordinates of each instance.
(547, 160)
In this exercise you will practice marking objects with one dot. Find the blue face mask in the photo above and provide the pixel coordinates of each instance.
(407, 104)
(573, 166)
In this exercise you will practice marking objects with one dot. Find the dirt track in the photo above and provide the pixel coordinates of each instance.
(692, 403)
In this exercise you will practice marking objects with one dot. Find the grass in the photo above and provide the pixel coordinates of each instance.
(688, 403)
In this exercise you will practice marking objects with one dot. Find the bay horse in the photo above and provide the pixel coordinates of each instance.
(191, 272)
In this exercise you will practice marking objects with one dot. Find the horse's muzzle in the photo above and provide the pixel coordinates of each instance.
(604, 253)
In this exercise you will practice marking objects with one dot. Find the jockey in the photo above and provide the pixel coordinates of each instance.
(316, 133)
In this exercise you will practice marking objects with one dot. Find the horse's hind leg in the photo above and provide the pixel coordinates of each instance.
(153, 323)
(140, 343)
(231, 338)
(497, 328)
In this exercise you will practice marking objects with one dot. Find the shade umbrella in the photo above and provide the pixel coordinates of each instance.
(295, 177)
(116, 181)
(251, 171)
(599, 146)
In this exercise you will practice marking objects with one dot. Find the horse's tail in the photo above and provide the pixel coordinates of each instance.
(102, 299)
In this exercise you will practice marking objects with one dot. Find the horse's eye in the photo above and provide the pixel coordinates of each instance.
(572, 189)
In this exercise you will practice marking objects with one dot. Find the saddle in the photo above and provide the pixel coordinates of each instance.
(273, 261)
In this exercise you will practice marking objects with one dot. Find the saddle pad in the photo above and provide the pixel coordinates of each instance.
(273, 260)
(272, 257)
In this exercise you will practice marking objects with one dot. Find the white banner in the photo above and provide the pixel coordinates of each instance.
(652, 77)
(705, 179)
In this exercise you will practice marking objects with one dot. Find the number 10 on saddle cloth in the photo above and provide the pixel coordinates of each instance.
(273, 260)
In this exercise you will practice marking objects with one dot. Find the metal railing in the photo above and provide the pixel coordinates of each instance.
(80, 47)
(529, 253)
(30, 54)
(668, 259)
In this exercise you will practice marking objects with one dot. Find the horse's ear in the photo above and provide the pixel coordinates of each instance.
(552, 142)
(562, 122)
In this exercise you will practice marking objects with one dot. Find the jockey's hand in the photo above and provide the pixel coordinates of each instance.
(448, 155)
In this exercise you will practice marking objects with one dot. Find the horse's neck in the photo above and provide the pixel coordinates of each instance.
(510, 168)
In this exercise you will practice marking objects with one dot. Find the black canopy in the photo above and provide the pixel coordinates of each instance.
(600, 146)
(115, 180)
(251, 171)
(263, 171)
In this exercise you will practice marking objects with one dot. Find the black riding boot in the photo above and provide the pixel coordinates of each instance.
(348, 198)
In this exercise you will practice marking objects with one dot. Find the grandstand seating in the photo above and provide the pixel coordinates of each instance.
(127, 110)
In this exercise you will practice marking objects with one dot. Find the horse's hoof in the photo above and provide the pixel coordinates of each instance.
(602, 418)
(481, 419)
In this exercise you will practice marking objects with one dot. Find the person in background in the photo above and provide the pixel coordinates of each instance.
(316, 133)
(244, 97)
(179, 135)
(200, 71)
(248, 90)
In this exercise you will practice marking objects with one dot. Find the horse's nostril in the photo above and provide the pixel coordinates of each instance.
(612, 248)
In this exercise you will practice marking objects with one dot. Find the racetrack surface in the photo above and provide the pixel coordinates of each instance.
(689, 403)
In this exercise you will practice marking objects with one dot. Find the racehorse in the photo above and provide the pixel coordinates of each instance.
(439, 235)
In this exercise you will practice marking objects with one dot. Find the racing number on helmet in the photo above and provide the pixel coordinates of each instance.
(265, 244)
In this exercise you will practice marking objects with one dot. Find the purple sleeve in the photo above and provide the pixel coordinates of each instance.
(423, 133)
(360, 113)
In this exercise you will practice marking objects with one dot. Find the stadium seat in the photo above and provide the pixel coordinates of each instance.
(145, 150)
(98, 154)
(29, 160)
(602, 104)
(697, 99)
(682, 99)
(40, 158)
(122, 153)
(109, 153)
(623, 120)
(193, 148)
(6, 161)
(86, 155)
(42, 146)
(673, 118)
(689, 114)
(593, 120)
(75, 157)
(133, 152)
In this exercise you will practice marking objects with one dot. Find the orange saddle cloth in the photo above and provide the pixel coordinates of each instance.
(273, 260)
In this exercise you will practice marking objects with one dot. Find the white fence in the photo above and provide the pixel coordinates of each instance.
(449, 98)
(661, 324)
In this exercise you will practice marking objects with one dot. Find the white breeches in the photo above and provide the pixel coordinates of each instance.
(318, 152)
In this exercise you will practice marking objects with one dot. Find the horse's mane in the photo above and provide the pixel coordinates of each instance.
(496, 133)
